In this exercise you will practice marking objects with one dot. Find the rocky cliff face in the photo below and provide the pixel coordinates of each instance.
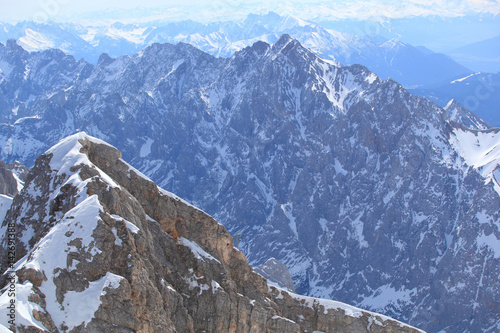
(101, 248)
(8, 182)
(12, 178)
(368, 194)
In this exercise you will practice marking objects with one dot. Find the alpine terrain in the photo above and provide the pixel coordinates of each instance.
(368, 194)
(101, 248)
(388, 58)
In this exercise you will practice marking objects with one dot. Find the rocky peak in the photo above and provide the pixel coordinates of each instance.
(458, 113)
(13, 46)
(277, 274)
(93, 228)
(283, 42)
(104, 60)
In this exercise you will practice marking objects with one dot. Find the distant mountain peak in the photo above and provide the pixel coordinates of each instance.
(284, 40)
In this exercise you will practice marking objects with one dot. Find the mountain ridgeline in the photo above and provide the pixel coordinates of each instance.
(368, 194)
(388, 58)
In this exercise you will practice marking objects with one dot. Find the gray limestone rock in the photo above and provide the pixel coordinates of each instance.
(8, 184)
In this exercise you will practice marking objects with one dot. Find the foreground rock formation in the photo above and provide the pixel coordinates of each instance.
(100, 248)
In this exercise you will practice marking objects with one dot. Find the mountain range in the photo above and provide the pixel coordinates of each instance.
(388, 58)
(424, 72)
(368, 194)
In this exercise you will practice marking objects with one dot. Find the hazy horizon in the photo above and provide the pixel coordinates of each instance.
(439, 25)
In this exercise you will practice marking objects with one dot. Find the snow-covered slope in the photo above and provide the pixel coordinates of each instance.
(480, 151)
(357, 186)
(456, 112)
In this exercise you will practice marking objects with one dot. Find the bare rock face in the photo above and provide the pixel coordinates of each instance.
(276, 273)
(12, 177)
(101, 248)
(8, 183)
(19, 170)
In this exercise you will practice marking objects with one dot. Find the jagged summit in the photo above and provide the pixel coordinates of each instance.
(101, 248)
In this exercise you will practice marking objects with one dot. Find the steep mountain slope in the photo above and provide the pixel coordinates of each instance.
(367, 193)
(100, 248)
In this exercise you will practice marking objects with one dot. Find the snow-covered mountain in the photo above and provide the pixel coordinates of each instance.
(101, 248)
(393, 58)
(368, 194)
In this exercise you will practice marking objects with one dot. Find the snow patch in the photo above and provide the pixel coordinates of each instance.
(66, 154)
(464, 78)
(79, 307)
(50, 256)
(357, 227)
(490, 241)
(146, 148)
(287, 210)
(198, 252)
(130, 226)
(481, 151)
(24, 308)
(388, 296)
(118, 241)
(5, 68)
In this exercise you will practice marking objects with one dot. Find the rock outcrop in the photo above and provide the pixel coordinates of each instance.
(276, 273)
(8, 183)
(12, 177)
(101, 248)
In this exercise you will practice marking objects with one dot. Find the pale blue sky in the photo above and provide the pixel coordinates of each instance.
(63, 10)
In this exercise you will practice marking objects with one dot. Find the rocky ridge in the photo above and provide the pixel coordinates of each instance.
(101, 248)
(368, 194)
